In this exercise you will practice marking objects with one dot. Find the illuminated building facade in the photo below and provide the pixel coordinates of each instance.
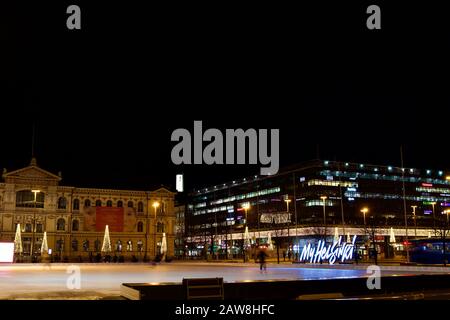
(74, 219)
(299, 202)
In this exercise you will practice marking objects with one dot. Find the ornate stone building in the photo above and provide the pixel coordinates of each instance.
(74, 219)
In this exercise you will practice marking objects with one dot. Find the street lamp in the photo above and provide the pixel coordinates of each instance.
(155, 205)
(364, 211)
(415, 222)
(434, 218)
(288, 201)
(245, 206)
(35, 192)
(324, 216)
(447, 212)
(287, 204)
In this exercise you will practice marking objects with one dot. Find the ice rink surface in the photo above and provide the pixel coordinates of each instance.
(39, 281)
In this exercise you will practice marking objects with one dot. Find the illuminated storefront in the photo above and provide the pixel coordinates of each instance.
(295, 205)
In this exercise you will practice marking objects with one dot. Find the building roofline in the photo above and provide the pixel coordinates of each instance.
(305, 165)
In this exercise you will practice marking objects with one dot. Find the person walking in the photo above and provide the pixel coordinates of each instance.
(262, 261)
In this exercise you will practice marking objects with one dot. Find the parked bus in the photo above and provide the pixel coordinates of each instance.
(429, 251)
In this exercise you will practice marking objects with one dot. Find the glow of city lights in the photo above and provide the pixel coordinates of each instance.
(338, 250)
(6, 251)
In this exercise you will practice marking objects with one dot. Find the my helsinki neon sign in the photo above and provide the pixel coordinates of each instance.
(332, 252)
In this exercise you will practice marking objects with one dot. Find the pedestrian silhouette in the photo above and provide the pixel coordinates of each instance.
(262, 260)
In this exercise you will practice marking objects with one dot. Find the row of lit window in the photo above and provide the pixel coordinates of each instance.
(389, 168)
(98, 203)
(247, 195)
(353, 175)
(61, 226)
(331, 183)
(391, 196)
(215, 209)
(314, 203)
(436, 190)
(97, 245)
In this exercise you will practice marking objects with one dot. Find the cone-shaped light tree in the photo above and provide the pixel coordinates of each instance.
(44, 245)
(18, 241)
(106, 247)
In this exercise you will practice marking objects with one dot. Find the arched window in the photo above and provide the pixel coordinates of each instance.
(62, 203)
(75, 245)
(98, 203)
(75, 225)
(76, 204)
(130, 204)
(25, 198)
(140, 227)
(160, 227)
(109, 203)
(140, 207)
(86, 245)
(61, 224)
(60, 245)
(119, 204)
(39, 228)
(97, 245)
(87, 203)
(28, 227)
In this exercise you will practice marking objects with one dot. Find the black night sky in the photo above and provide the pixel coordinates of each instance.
(106, 99)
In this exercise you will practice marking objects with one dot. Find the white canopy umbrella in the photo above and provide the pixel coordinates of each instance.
(44, 245)
(269, 241)
(392, 236)
(18, 248)
(164, 244)
(246, 237)
(336, 234)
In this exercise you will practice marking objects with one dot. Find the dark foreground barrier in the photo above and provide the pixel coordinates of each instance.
(291, 289)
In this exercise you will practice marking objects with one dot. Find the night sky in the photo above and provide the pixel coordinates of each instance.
(106, 99)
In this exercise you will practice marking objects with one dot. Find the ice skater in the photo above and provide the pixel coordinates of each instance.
(262, 260)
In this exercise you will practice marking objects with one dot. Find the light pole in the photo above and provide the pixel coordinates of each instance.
(415, 222)
(35, 192)
(287, 204)
(447, 212)
(155, 205)
(246, 206)
(444, 235)
(324, 217)
(434, 218)
(364, 211)
(288, 201)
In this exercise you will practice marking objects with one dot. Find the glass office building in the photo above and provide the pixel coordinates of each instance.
(316, 199)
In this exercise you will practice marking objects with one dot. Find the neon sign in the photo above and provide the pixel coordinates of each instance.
(331, 253)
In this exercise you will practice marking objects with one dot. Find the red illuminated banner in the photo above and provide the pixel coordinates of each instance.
(113, 217)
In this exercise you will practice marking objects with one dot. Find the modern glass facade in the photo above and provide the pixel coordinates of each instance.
(313, 195)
